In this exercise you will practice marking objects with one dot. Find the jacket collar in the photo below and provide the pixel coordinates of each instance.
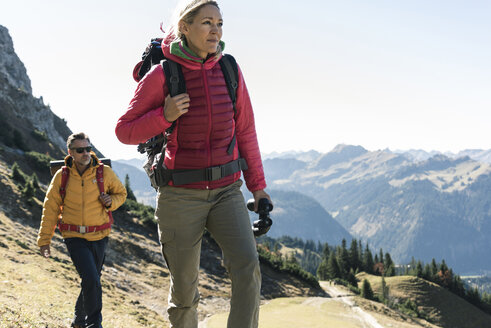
(179, 52)
(93, 163)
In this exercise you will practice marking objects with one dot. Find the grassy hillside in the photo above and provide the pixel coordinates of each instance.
(434, 303)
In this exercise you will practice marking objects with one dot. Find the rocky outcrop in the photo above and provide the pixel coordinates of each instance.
(18, 105)
(11, 67)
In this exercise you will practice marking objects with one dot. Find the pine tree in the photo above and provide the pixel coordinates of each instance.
(366, 290)
(434, 270)
(28, 190)
(130, 194)
(458, 286)
(343, 259)
(322, 271)
(368, 260)
(333, 270)
(427, 272)
(35, 180)
(389, 266)
(326, 252)
(413, 267)
(443, 266)
(351, 278)
(419, 269)
(17, 174)
(354, 256)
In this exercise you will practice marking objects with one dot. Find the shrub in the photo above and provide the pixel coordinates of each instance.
(28, 190)
(145, 213)
(409, 307)
(17, 173)
(38, 160)
(35, 180)
(39, 135)
(366, 290)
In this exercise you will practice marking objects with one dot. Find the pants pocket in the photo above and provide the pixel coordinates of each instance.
(166, 236)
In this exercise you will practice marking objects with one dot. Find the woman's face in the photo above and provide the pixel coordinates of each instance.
(204, 33)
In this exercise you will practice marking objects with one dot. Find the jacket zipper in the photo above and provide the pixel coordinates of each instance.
(83, 203)
(208, 99)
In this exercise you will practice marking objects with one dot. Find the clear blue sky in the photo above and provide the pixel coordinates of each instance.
(380, 74)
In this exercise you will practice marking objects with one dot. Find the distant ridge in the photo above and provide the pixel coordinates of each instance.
(436, 207)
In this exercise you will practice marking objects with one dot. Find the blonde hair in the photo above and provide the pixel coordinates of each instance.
(187, 13)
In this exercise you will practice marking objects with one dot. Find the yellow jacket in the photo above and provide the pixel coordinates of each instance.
(82, 205)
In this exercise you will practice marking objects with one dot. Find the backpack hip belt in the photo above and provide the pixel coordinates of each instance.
(182, 177)
(84, 229)
(78, 228)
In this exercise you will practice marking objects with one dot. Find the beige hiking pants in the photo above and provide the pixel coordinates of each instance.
(183, 215)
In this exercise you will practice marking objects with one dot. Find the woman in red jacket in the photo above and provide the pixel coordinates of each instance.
(205, 126)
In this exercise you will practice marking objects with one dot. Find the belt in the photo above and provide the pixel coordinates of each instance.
(85, 229)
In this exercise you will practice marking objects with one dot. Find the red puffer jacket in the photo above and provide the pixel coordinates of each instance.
(201, 136)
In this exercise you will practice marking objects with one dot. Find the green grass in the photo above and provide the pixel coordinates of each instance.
(429, 301)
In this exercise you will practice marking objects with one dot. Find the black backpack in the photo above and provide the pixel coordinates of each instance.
(155, 147)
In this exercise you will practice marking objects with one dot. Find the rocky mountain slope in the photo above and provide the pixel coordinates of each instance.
(436, 208)
(17, 103)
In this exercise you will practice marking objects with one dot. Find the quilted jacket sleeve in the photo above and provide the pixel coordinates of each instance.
(247, 139)
(114, 188)
(144, 117)
(51, 210)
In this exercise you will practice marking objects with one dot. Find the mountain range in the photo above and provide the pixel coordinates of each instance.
(438, 207)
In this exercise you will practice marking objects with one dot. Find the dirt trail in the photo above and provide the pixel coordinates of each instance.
(347, 298)
(355, 316)
(338, 309)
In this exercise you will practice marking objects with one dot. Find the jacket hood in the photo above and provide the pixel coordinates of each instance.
(178, 51)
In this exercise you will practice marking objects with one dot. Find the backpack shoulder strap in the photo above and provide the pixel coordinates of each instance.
(231, 75)
(99, 175)
(174, 77)
(65, 174)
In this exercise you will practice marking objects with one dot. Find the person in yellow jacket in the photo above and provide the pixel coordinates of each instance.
(85, 222)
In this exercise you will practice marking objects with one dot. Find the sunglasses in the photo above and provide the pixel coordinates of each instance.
(80, 150)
